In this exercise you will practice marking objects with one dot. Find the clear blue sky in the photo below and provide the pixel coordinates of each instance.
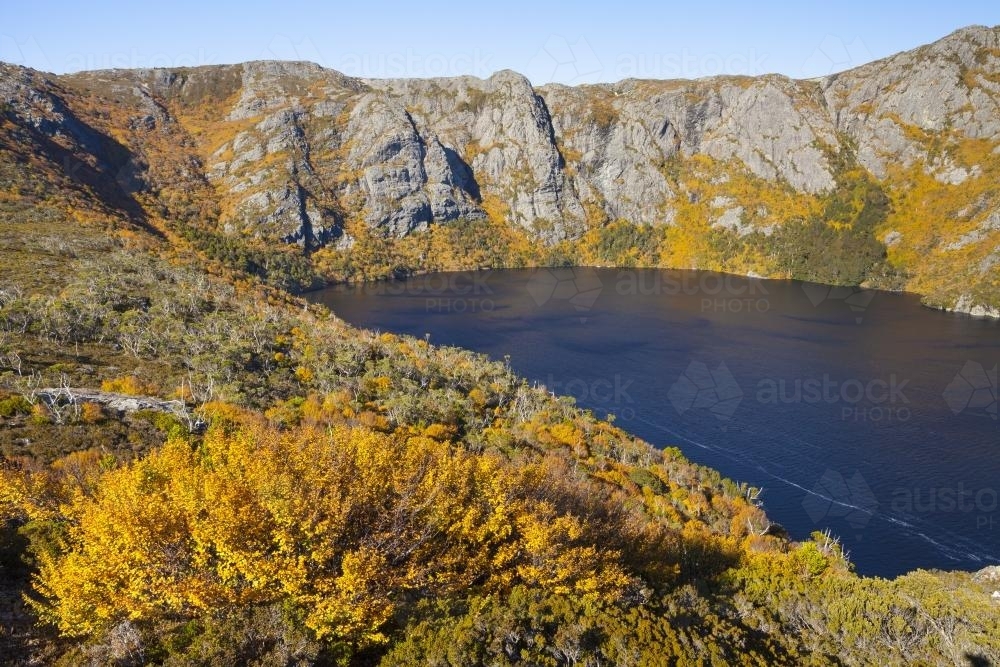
(579, 43)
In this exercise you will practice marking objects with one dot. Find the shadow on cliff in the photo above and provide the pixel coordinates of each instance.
(464, 176)
(90, 160)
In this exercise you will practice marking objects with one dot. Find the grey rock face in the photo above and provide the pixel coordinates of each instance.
(36, 102)
(774, 127)
(272, 85)
(732, 219)
(294, 149)
(615, 147)
(776, 130)
(503, 130)
(989, 224)
(966, 304)
(408, 181)
(286, 198)
(927, 89)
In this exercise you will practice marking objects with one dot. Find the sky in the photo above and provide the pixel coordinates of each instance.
(583, 42)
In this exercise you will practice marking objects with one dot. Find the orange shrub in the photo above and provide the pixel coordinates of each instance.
(92, 413)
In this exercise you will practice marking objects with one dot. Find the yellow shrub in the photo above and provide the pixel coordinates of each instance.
(40, 414)
(130, 384)
(440, 432)
(91, 413)
(567, 433)
(332, 522)
(373, 421)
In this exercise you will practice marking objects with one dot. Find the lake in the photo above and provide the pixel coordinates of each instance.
(856, 410)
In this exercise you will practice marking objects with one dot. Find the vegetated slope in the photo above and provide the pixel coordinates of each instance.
(319, 494)
(883, 175)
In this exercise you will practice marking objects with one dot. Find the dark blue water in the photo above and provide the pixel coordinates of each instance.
(857, 411)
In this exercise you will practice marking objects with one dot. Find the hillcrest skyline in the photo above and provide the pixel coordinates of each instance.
(589, 44)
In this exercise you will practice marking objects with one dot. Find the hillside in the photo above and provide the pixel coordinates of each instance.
(197, 467)
(883, 175)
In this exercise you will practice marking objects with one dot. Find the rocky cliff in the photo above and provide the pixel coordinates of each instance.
(887, 171)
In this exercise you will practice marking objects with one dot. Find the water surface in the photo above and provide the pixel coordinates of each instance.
(857, 411)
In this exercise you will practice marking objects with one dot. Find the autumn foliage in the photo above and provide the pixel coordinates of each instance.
(345, 524)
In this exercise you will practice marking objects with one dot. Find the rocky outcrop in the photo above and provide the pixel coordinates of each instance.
(37, 103)
(266, 170)
(776, 128)
(502, 129)
(292, 153)
(408, 180)
(624, 135)
(308, 146)
(982, 231)
(950, 85)
(118, 404)
(968, 305)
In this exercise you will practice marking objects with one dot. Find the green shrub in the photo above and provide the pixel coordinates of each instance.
(14, 405)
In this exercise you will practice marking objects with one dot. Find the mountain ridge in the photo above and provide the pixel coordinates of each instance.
(968, 29)
(294, 490)
(892, 159)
